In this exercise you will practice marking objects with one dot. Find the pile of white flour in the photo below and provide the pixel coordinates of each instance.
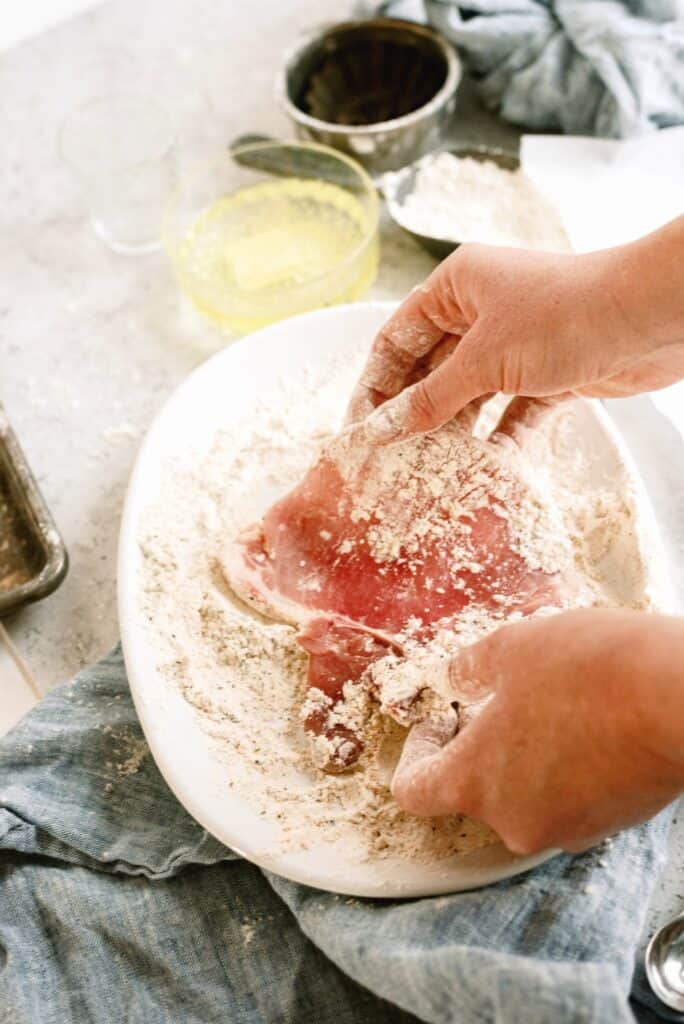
(245, 676)
(462, 199)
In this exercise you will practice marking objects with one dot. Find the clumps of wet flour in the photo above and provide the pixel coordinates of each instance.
(245, 676)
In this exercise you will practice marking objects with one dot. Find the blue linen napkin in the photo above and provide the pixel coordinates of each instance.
(613, 68)
(116, 906)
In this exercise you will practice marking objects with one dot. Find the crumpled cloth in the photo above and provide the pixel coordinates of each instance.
(588, 67)
(116, 906)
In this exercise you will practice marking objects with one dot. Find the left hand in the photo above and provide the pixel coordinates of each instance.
(583, 734)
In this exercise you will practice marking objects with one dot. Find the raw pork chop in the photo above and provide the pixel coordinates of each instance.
(380, 547)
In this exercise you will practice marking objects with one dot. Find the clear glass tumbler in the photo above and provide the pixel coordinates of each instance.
(121, 149)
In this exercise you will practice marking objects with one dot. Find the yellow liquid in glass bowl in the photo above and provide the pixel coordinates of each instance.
(277, 248)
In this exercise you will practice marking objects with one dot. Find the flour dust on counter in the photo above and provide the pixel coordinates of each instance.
(246, 676)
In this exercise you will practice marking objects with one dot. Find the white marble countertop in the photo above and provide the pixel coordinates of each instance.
(19, 22)
(91, 342)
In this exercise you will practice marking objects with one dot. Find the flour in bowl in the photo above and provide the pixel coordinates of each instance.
(462, 199)
(246, 676)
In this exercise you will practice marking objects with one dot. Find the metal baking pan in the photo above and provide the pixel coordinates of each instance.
(33, 559)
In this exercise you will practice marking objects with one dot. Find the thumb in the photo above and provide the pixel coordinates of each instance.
(418, 784)
(476, 670)
(437, 770)
(433, 401)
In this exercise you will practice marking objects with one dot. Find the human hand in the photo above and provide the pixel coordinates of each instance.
(583, 733)
(526, 323)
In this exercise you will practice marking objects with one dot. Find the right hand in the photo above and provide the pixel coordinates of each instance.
(540, 325)
(581, 735)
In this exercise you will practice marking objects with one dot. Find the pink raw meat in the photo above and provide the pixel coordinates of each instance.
(376, 545)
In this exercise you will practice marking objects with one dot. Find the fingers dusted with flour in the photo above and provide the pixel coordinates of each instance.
(581, 738)
(425, 782)
(523, 415)
(422, 783)
(415, 410)
(401, 353)
(434, 776)
(457, 338)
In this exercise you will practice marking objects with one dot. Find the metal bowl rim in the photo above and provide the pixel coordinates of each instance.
(439, 100)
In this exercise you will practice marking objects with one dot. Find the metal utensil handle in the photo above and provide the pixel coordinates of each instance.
(287, 160)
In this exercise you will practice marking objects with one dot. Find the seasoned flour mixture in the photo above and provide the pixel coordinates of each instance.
(246, 676)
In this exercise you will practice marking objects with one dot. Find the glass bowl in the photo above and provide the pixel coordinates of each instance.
(271, 229)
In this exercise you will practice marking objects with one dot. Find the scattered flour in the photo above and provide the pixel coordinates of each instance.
(462, 199)
(133, 762)
(401, 492)
(245, 675)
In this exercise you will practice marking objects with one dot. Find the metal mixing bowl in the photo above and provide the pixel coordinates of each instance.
(381, 90)
(397, 187)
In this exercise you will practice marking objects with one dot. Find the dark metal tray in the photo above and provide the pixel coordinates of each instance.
(33, 559)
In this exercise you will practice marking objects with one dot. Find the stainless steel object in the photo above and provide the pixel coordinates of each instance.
(665, 963)
(252, 150)
(381, 90)
(33, 559)
(397, 187)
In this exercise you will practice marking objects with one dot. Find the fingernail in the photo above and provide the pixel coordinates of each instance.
(388, 422)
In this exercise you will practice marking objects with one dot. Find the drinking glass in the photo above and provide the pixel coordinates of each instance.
(121, 150)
